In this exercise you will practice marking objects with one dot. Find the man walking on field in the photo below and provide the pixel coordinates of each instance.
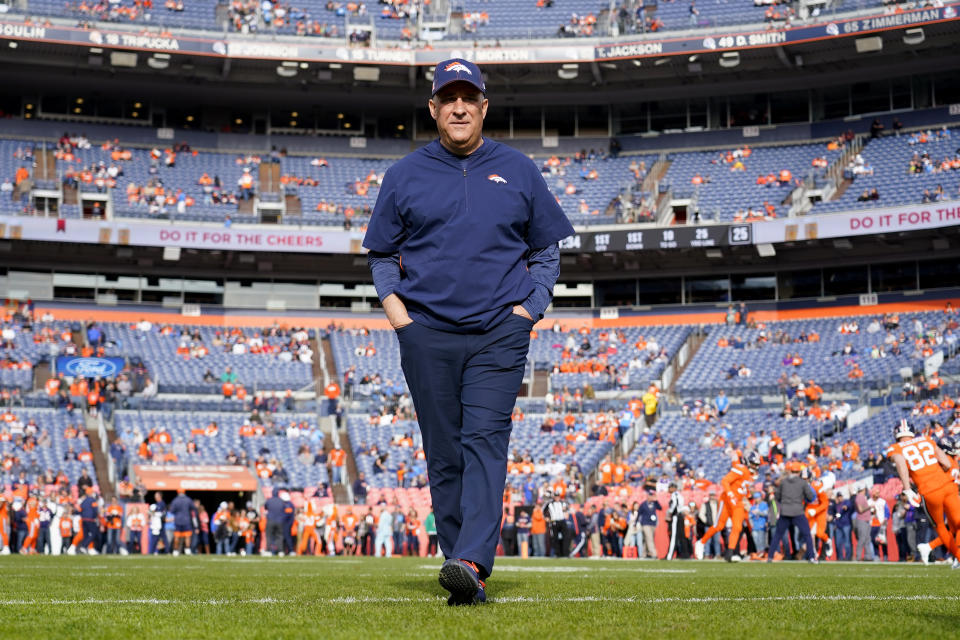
(463, 250)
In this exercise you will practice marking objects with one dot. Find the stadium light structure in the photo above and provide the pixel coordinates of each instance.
(914, 36)
(123, 59)
(568, 71)
(159, 61)
(869, 45)
(366, 74)
(287, 69)
(729, 59)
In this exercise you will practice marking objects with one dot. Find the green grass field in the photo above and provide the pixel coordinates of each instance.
(212, 598)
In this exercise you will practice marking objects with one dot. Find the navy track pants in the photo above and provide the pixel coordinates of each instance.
(464, 387)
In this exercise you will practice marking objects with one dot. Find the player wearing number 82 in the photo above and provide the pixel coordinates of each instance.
(920, 460)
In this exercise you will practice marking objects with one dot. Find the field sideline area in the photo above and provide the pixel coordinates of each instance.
(194, 597)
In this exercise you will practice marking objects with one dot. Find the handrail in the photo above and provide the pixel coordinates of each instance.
(105, 448)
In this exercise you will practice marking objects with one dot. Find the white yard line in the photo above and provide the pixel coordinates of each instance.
(566, 569)
(502, 600)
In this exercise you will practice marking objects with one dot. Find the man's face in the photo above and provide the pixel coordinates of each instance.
(459, 109)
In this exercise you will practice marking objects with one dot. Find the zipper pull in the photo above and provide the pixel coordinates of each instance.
(464, 172)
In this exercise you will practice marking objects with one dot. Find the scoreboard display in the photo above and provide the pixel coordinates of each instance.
(658, 238)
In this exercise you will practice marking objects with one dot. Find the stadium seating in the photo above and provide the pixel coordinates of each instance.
(134, 426)
(49, 457)
(181, 374)
(823, 362)
(195, 15)
(875, 434)
(712, 461)
(512, 19)
(348, 187)
(341, 189)
(9, 164)
(889, 157)
(548, 347)
(527, 439)
(33, 347)
(725, 192)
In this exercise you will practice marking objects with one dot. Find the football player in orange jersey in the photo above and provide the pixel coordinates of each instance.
(736, 486)
(29, 545)
(66, 530)
(310, 520)
(4, 526)
(918, 459)
(817, 514)
(950, 445)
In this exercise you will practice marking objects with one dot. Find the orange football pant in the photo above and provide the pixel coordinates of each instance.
(736, 513)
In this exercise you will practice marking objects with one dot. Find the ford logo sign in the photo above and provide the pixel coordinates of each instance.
(91, 368)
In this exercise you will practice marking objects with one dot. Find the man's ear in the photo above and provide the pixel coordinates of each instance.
(433, 108)
(483, 108)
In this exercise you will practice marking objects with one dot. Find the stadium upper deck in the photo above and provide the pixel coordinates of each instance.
(466, 19)
(727, 185)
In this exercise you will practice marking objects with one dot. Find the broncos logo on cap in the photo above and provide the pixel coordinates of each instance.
(458, 66)
(495, 178)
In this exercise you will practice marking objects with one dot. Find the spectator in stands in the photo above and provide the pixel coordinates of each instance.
(245, 184)
(89, 514)
(841, 512)
(84, 482)
(648, 519)
(149, 389)
(360, 488)
(337, 461)
(383, 543)
(94, 335)
(722, 403)
(861, 526)
(759, 516)
(707, 517)
(275, 513)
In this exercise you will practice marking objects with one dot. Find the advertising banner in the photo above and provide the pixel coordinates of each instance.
(196, 478)
(329, 50)
(775, 37)
(859, 223)
(73, 366)
(278, 238)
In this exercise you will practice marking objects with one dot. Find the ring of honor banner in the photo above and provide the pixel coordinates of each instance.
(319, 50)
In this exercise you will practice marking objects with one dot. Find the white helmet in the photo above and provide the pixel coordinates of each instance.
(902, 430)
(828, 480)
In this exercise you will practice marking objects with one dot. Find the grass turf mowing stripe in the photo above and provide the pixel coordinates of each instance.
(399, 598)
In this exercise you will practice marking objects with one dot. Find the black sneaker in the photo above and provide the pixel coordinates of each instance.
(462, 579)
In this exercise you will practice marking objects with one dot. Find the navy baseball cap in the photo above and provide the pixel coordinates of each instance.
(456, 70)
